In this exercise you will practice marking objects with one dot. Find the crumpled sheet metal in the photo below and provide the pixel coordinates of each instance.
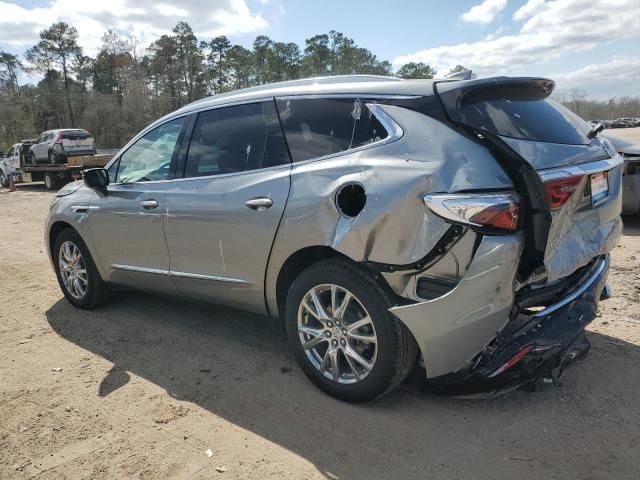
(579, 233)
(394, 227)
(453, 328)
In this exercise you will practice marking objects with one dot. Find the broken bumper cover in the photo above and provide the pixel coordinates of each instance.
(544, 344)
(453, 328)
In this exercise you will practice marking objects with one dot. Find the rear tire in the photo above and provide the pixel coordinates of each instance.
(383, 368)
(32, 157)
(51, 181)
(90, 290)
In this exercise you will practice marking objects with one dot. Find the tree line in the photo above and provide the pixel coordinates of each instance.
(124, 87)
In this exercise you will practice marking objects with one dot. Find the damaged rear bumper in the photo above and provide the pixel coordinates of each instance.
(540, 344)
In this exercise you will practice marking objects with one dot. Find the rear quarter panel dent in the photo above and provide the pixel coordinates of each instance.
(394, 227)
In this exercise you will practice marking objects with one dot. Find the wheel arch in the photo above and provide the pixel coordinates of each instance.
(304, 258)
(54, 230)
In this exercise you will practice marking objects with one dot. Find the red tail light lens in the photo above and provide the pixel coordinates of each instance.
(513, 360)
(492, 211)
(560, 190)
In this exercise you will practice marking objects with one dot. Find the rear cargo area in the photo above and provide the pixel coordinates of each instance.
(568, 177)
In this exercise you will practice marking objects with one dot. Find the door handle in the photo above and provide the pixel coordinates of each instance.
(149, 204)
(259, 204)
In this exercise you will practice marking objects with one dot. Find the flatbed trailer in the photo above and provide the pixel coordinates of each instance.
(55, 176)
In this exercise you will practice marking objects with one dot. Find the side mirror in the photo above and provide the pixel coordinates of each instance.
(96, 178)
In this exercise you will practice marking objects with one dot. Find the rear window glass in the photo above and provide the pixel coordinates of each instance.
(76, 135)
(518, 113)
(325, 126)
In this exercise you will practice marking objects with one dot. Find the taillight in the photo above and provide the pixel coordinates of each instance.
(487, 211)
(559, 190)
(513, 360)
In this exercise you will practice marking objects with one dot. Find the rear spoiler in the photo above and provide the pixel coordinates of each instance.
(455, 94)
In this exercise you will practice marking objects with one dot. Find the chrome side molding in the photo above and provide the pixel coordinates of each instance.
(213, 278)
(129, 268)
(196, 276)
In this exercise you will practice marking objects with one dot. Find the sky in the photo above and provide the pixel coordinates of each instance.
(592, 45)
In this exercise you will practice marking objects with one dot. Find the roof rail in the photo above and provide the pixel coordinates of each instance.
(327, 80)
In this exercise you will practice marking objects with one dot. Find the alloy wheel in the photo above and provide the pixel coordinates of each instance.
(337, 334)
(73, 270)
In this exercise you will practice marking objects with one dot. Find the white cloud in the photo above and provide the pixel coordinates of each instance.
(557, 28)
(170, 10)
(528, 10)
(145, 19)
(486, 12)
(620, 75)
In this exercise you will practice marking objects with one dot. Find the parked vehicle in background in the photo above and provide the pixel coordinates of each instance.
(463, 223)
(630, 153)
(10, 163)
(19, 165)
(55, 146)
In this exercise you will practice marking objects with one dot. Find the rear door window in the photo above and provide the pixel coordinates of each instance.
(316, 127)
(234, 139)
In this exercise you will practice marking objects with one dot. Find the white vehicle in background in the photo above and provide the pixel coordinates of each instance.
(19, 165)
(10, 163)
(55, 146)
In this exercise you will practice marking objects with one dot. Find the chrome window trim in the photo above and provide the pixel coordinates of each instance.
(395, 132)
(196, 276)
(227, 175)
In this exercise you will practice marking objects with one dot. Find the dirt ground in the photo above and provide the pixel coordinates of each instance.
(145, 386)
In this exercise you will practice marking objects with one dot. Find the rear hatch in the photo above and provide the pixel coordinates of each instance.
(568, 176)
(77, 141)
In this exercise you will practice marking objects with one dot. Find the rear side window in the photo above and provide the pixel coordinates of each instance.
(518, 112)
(76, 135)
(235, 139)
(325, 126)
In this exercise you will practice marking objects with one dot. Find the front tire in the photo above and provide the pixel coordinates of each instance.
(342, 334)
(4, 180)
(76, 271)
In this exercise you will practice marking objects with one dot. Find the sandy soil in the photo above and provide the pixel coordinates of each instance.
(146, 385)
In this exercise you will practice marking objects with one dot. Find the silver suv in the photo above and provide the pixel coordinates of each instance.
(461, 227)
(54, 146)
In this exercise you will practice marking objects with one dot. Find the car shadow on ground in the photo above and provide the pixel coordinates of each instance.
(631, 225)
(237, 365)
